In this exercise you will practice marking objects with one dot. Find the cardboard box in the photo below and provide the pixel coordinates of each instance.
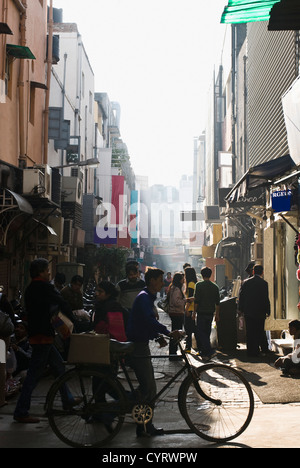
(89, 348)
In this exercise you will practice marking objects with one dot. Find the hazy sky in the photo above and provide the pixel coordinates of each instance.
(156, 58)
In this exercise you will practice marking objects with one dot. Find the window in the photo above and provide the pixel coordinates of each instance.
(32, 105)
(82, 84)
(8, 77)
(91, 102)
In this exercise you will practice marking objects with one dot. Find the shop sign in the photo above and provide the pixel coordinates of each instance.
(281, 200)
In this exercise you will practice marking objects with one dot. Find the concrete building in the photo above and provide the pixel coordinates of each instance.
(23, 94)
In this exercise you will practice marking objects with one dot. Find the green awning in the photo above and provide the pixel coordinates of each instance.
(247, 11)
(18, 51)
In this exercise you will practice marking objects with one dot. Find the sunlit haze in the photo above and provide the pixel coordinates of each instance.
(156, 58)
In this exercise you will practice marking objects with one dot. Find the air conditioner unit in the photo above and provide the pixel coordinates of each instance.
(212, 214)
(57, 224)
(72, 189)
(68, 232)
(37, 181)
(45, 236)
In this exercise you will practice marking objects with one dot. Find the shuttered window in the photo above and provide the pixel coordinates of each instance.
(271, 69)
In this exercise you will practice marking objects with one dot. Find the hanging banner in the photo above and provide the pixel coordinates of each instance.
(117, 199)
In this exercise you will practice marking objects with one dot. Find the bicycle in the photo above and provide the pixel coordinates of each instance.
(215, 400)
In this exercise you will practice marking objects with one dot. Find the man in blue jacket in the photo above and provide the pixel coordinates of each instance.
(143, 327)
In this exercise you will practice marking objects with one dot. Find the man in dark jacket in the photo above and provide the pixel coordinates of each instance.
(254, 303)
(41, 300)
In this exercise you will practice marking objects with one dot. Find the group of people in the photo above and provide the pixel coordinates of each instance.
(127, 312)
(192, 306)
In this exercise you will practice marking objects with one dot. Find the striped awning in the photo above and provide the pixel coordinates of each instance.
(247, 11)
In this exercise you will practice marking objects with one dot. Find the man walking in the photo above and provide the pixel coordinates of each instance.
(207, 304)
(254, 303)
(143, 327)
(41, 301)
(131, 286)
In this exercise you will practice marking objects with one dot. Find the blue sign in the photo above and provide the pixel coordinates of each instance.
(281, 200)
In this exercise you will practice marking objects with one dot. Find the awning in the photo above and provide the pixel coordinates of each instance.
(36, 84)
(228, 248)
(49, 228)
(246, 11)
(18, 51)
(260, 176)
(23, 204)
(285, 16)
(5, 29)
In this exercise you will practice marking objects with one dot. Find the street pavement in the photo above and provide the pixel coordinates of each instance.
(272, 426)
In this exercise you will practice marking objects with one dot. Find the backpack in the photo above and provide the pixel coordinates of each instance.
(116, 326)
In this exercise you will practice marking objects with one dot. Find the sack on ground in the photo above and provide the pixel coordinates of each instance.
(6, 326)
(62, 325)
(89, 348)
(214, 335)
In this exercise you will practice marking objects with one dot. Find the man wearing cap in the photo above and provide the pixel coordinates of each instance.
(249, 269)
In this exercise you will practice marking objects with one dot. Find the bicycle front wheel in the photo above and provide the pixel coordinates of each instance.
(218, 406)
(94, 411)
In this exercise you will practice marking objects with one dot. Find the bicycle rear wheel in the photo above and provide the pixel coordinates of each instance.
(98, 415)
(219, 405)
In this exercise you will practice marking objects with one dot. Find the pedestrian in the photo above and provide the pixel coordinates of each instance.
(59, 281)
(189, 315)
(249, 269)
(109, 317)
(6, 330)
(143, 327)
(72, 294)
(167, 281)
(177, 303)
(130, 287)
(254, 304)
(207, 305)
(290, 364)
(41, 300)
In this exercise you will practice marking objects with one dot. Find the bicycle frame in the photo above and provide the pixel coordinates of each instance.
(187, 367)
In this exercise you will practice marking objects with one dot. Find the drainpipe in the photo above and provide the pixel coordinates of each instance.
(49, 69)
(21, 7)
(21, 84)
(4, 20)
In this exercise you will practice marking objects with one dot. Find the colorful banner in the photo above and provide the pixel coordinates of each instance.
(117, 200)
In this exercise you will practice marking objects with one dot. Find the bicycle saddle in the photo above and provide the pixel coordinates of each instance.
(119, 347)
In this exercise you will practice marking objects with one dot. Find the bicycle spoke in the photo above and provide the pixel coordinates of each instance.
(223, 408)
(96, 419)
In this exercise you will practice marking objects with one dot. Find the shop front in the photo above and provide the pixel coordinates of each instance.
(276, 229)
(281, 259)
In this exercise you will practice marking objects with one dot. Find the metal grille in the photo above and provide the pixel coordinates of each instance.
(271, 71)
